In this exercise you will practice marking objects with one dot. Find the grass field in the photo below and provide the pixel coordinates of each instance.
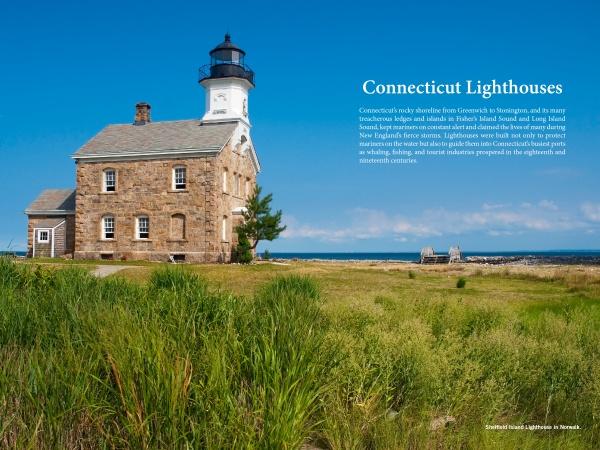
(329, 355)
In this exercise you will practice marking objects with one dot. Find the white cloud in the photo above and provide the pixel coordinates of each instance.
(548, 204)
(494, 219)
(490, 206)
(591, 211)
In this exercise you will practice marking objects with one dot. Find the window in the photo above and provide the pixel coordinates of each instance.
(225, 180)
(224, 229)
(43, 236)
(179, 178)
(108, 227)
(143, 227)
(110, 180)
(247, 188)
(239, 185)
(178, 227)
(236, 187)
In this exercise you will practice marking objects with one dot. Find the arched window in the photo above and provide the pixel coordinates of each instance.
(178, 227)
(224, 229)
(248, 188)
(109, 180)
(235, 184)
(225, 174)
(108, 227)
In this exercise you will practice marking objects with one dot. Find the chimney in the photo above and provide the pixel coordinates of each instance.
(142, 113)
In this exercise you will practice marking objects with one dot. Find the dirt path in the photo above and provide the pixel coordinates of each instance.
(104, 271)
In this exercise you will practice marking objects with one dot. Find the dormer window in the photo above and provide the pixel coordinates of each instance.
(110, 180)
(179, 178)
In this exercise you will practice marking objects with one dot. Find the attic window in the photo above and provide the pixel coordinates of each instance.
(179, 178)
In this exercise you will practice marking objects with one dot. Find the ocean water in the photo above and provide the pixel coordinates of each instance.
(558, 256)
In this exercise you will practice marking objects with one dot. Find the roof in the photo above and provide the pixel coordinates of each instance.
(49, 223)
(227, 45)
(157, 138)
(53, 202)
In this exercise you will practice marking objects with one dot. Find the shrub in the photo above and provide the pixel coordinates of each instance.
(412, 275)
(266, 255)
(243, 251)
(461, 282)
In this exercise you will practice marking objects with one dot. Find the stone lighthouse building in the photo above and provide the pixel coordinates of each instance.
(163, 190)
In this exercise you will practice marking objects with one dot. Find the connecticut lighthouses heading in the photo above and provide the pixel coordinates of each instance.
(469, 87)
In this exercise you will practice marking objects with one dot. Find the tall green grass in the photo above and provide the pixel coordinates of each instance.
(88, 363)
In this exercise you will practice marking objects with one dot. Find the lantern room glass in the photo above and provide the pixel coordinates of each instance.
(227, 56)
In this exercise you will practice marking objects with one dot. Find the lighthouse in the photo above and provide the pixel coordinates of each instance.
(227, 80)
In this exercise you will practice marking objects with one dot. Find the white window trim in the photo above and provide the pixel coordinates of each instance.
(114, 226)
(104, 177)
(43, 230)
(174, 179)
(137, 227)
(35, 235)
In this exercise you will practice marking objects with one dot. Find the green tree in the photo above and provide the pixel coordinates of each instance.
(260, 224)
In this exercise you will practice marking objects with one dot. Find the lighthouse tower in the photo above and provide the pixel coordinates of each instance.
(227, 80)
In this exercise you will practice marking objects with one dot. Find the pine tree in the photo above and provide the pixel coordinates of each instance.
(260, 224)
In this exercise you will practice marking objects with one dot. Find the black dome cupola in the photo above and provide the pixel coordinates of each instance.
(227, 52)
(227, 60)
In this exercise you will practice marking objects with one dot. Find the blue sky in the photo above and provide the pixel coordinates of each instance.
(70, 68)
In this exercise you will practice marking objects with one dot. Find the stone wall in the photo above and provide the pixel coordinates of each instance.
(145, 188)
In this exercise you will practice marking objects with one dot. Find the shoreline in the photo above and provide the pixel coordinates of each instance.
(529, 260)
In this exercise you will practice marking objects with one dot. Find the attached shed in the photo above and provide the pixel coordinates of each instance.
(51, 224)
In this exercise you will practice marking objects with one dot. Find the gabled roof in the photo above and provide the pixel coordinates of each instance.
(156, 139)
(53, 202)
